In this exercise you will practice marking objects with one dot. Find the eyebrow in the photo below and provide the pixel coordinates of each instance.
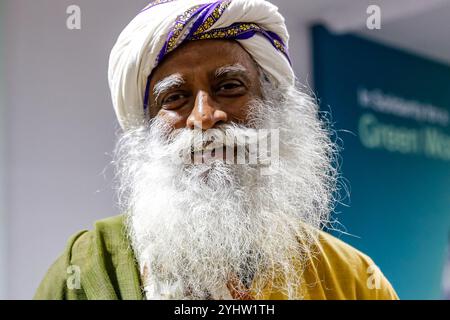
(233, 69)
(173, 81)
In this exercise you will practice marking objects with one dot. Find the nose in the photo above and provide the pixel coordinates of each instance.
(205, 114)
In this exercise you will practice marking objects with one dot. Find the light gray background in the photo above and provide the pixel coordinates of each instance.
(59, 127)
(3, 222)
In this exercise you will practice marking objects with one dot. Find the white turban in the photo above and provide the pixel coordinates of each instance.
(164, 24)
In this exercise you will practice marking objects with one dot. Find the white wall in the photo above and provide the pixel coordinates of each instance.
(61, 126)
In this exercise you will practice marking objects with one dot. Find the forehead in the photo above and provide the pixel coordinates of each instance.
(202, 56)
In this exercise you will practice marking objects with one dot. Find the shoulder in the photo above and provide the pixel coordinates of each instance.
(340, 253)
(340, 271)
(107, 236)
(56, 283)
(114, 224)
(88, 266)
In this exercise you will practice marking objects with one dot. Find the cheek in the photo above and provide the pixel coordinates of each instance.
(174, 119)
(238, 110)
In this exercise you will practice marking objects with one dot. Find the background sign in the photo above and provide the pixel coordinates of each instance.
(392, 111)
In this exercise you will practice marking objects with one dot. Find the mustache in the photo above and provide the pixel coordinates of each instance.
(232, 138)
(222, 135)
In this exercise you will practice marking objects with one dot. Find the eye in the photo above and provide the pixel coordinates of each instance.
(173, 98)
(231, 87)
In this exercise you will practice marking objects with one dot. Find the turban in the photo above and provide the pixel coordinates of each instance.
(165, 24)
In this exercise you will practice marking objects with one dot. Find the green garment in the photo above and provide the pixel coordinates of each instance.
(108, 270)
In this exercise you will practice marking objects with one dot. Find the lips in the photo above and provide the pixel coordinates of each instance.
(212, 151)
(208, 146)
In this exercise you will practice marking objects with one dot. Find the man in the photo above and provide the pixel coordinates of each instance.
(225, 170)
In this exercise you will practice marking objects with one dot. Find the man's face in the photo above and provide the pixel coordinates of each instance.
(203, 84)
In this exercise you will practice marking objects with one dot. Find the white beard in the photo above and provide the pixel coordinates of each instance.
(194, 227)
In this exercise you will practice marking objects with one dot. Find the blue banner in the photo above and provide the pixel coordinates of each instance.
(392, 110)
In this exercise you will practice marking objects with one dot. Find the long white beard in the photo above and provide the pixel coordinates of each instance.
(195, 227)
